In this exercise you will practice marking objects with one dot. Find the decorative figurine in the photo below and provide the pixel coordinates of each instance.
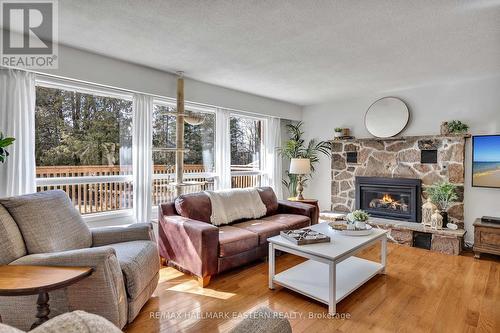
(428, 209)
(436, 220)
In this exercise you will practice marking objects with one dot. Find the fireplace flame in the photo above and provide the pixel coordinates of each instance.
(387, 198)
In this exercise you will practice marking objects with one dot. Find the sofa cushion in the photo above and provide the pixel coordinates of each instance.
(10, 237)
(139, 262)
(48, 222)
(291, 221)
(264, 229)
(269, 199)
(195, 206)
(236, 240)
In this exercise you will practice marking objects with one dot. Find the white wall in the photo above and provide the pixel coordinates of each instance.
(93, 68)
(476, 102)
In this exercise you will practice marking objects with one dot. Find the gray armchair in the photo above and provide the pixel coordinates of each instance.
(45, 229)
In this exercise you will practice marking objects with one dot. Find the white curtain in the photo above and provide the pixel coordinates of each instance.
(142, 161)
(222, 150)
(272, 162)
(17, 119)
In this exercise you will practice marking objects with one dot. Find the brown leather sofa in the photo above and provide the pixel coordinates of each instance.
(190, 243)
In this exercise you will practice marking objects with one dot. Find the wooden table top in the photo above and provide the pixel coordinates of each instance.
(29, 280)
(479, 223)
(302, 200)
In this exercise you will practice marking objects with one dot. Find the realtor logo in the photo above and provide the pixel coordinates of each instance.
(29, 33)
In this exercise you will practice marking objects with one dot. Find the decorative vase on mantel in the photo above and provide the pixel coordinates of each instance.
(444, 215)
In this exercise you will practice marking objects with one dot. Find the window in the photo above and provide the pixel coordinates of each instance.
(246, 148)
(198, 161)
(83, 145)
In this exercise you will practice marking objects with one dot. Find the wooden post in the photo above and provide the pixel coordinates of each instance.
(179, 155)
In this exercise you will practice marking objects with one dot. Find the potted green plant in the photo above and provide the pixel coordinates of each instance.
(457, 127)
(337, 132)
(4, 142)
(296, 147)
(442, 195)
(357, 219)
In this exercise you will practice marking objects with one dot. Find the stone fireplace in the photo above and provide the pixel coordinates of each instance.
(393, 198)
(429, 159)
(366, 173)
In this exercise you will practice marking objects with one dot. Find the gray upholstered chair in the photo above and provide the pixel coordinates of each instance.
(45, 229)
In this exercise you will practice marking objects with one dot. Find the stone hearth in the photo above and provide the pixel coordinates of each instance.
(397, 158)
(444, 241)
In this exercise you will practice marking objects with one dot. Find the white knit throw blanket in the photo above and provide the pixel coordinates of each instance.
(235, 204)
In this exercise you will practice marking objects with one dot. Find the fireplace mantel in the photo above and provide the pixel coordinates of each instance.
(405, 138)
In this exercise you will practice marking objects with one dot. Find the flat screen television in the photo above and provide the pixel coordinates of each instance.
(486, 161)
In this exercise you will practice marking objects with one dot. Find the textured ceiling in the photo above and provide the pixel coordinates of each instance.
(304, 52)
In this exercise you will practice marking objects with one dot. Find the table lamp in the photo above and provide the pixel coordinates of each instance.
(300, 167)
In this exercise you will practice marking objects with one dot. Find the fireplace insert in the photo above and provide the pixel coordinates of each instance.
(392, 198)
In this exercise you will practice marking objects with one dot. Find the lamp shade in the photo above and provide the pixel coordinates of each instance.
(300, 166)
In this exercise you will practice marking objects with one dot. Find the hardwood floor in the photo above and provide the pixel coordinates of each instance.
(422, 291)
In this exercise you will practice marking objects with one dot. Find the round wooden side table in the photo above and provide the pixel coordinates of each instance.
(32, 280)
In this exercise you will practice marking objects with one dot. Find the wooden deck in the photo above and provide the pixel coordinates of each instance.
(423, 291)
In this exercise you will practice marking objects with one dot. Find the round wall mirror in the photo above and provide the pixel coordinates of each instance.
(387, 117)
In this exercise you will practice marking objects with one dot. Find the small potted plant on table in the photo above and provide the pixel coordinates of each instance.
(338, 132)
(357, 219)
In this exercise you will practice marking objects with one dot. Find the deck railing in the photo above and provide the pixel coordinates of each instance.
(114, 190)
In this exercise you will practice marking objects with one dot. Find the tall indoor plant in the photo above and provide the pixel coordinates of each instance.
(296, 147)
(4, 142)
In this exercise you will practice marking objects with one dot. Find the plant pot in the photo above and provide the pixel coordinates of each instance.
(350, 226)
(360, 224)
(337, 134)
(444, 215)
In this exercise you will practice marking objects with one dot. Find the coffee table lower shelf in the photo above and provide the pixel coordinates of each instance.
(311, 278)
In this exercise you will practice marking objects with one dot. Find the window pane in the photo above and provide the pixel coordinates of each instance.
(79, 134)
(246, 141)
(199, 139)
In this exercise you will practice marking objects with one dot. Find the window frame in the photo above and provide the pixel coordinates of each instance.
(171, 102)
(261, 172)
(93, 89)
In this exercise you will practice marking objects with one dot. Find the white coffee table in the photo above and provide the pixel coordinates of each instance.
(332, 272)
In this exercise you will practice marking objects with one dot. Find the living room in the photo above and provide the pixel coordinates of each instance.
(250, 166)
